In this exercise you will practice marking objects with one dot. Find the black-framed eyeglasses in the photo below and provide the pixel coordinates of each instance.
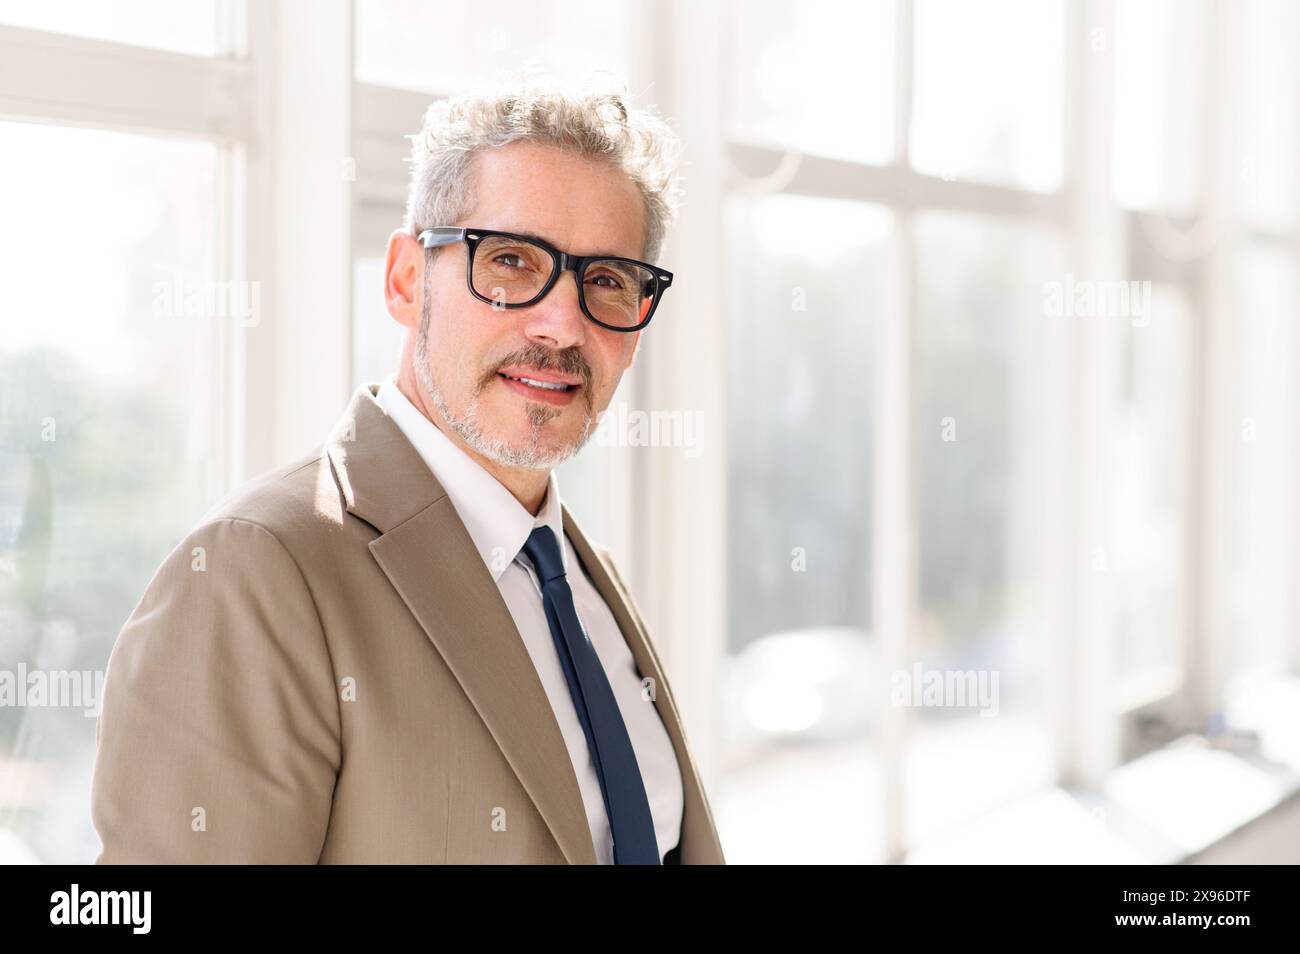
(508, 270)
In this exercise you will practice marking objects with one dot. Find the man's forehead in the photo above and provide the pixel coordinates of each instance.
(571, 203)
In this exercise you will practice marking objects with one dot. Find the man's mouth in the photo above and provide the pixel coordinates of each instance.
(543, 386)
(539, 383)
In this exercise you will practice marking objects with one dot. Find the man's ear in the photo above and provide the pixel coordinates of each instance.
(403, 269)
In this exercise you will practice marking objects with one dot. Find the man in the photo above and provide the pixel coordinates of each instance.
(403, 648)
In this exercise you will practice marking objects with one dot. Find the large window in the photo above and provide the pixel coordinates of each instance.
(133, 330)
(1088, 484)
(112, 435)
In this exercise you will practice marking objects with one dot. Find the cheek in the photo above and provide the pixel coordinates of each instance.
(609, 364)
(457, 341)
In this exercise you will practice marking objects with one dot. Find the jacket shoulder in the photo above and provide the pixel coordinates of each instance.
(301, 497)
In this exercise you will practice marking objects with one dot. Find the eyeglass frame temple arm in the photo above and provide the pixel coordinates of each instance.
(441, 235)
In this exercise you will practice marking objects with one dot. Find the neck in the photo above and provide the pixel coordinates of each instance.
(525, 485)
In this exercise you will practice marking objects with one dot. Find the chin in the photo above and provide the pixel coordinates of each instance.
(532, 457)
(551, 444)
(521, 444)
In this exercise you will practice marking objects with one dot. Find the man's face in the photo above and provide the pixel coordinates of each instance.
(464, 347)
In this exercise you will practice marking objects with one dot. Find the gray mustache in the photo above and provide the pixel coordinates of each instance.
(541, 358)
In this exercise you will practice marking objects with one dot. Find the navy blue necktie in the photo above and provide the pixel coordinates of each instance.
(630, 821)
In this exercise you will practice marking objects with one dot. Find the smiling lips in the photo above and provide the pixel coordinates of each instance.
(540, 385)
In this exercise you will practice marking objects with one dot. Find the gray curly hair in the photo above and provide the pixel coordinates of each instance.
(591, 118)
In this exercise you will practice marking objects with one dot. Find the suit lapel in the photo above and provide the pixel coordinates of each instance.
(430, 559)
(699, 841)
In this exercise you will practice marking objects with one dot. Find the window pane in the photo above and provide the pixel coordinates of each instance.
(988, 91)
(440, 47)
(815, 77)
(982, 425)
(189, 27)
(802, 323)
(1148, 487)
(1161, 88)
(1266, 136)
(110, 363)
(1264, 566)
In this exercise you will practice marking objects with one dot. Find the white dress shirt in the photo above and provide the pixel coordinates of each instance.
(499, 526)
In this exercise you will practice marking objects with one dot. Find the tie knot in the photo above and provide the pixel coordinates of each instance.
(544, 550)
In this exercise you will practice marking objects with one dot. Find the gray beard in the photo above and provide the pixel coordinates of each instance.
(533, 455)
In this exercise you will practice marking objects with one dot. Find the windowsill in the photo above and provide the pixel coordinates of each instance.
(1166, 807)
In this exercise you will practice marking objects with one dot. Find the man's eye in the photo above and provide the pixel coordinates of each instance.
(610, 281)
(505, 255)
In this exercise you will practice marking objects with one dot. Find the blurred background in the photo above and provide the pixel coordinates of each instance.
(970, 532)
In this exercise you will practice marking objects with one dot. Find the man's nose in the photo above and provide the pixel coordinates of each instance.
(558, 318)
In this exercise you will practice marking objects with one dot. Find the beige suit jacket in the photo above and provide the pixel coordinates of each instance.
(324, 671)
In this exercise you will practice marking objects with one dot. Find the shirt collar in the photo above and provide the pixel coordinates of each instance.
(498, 524)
